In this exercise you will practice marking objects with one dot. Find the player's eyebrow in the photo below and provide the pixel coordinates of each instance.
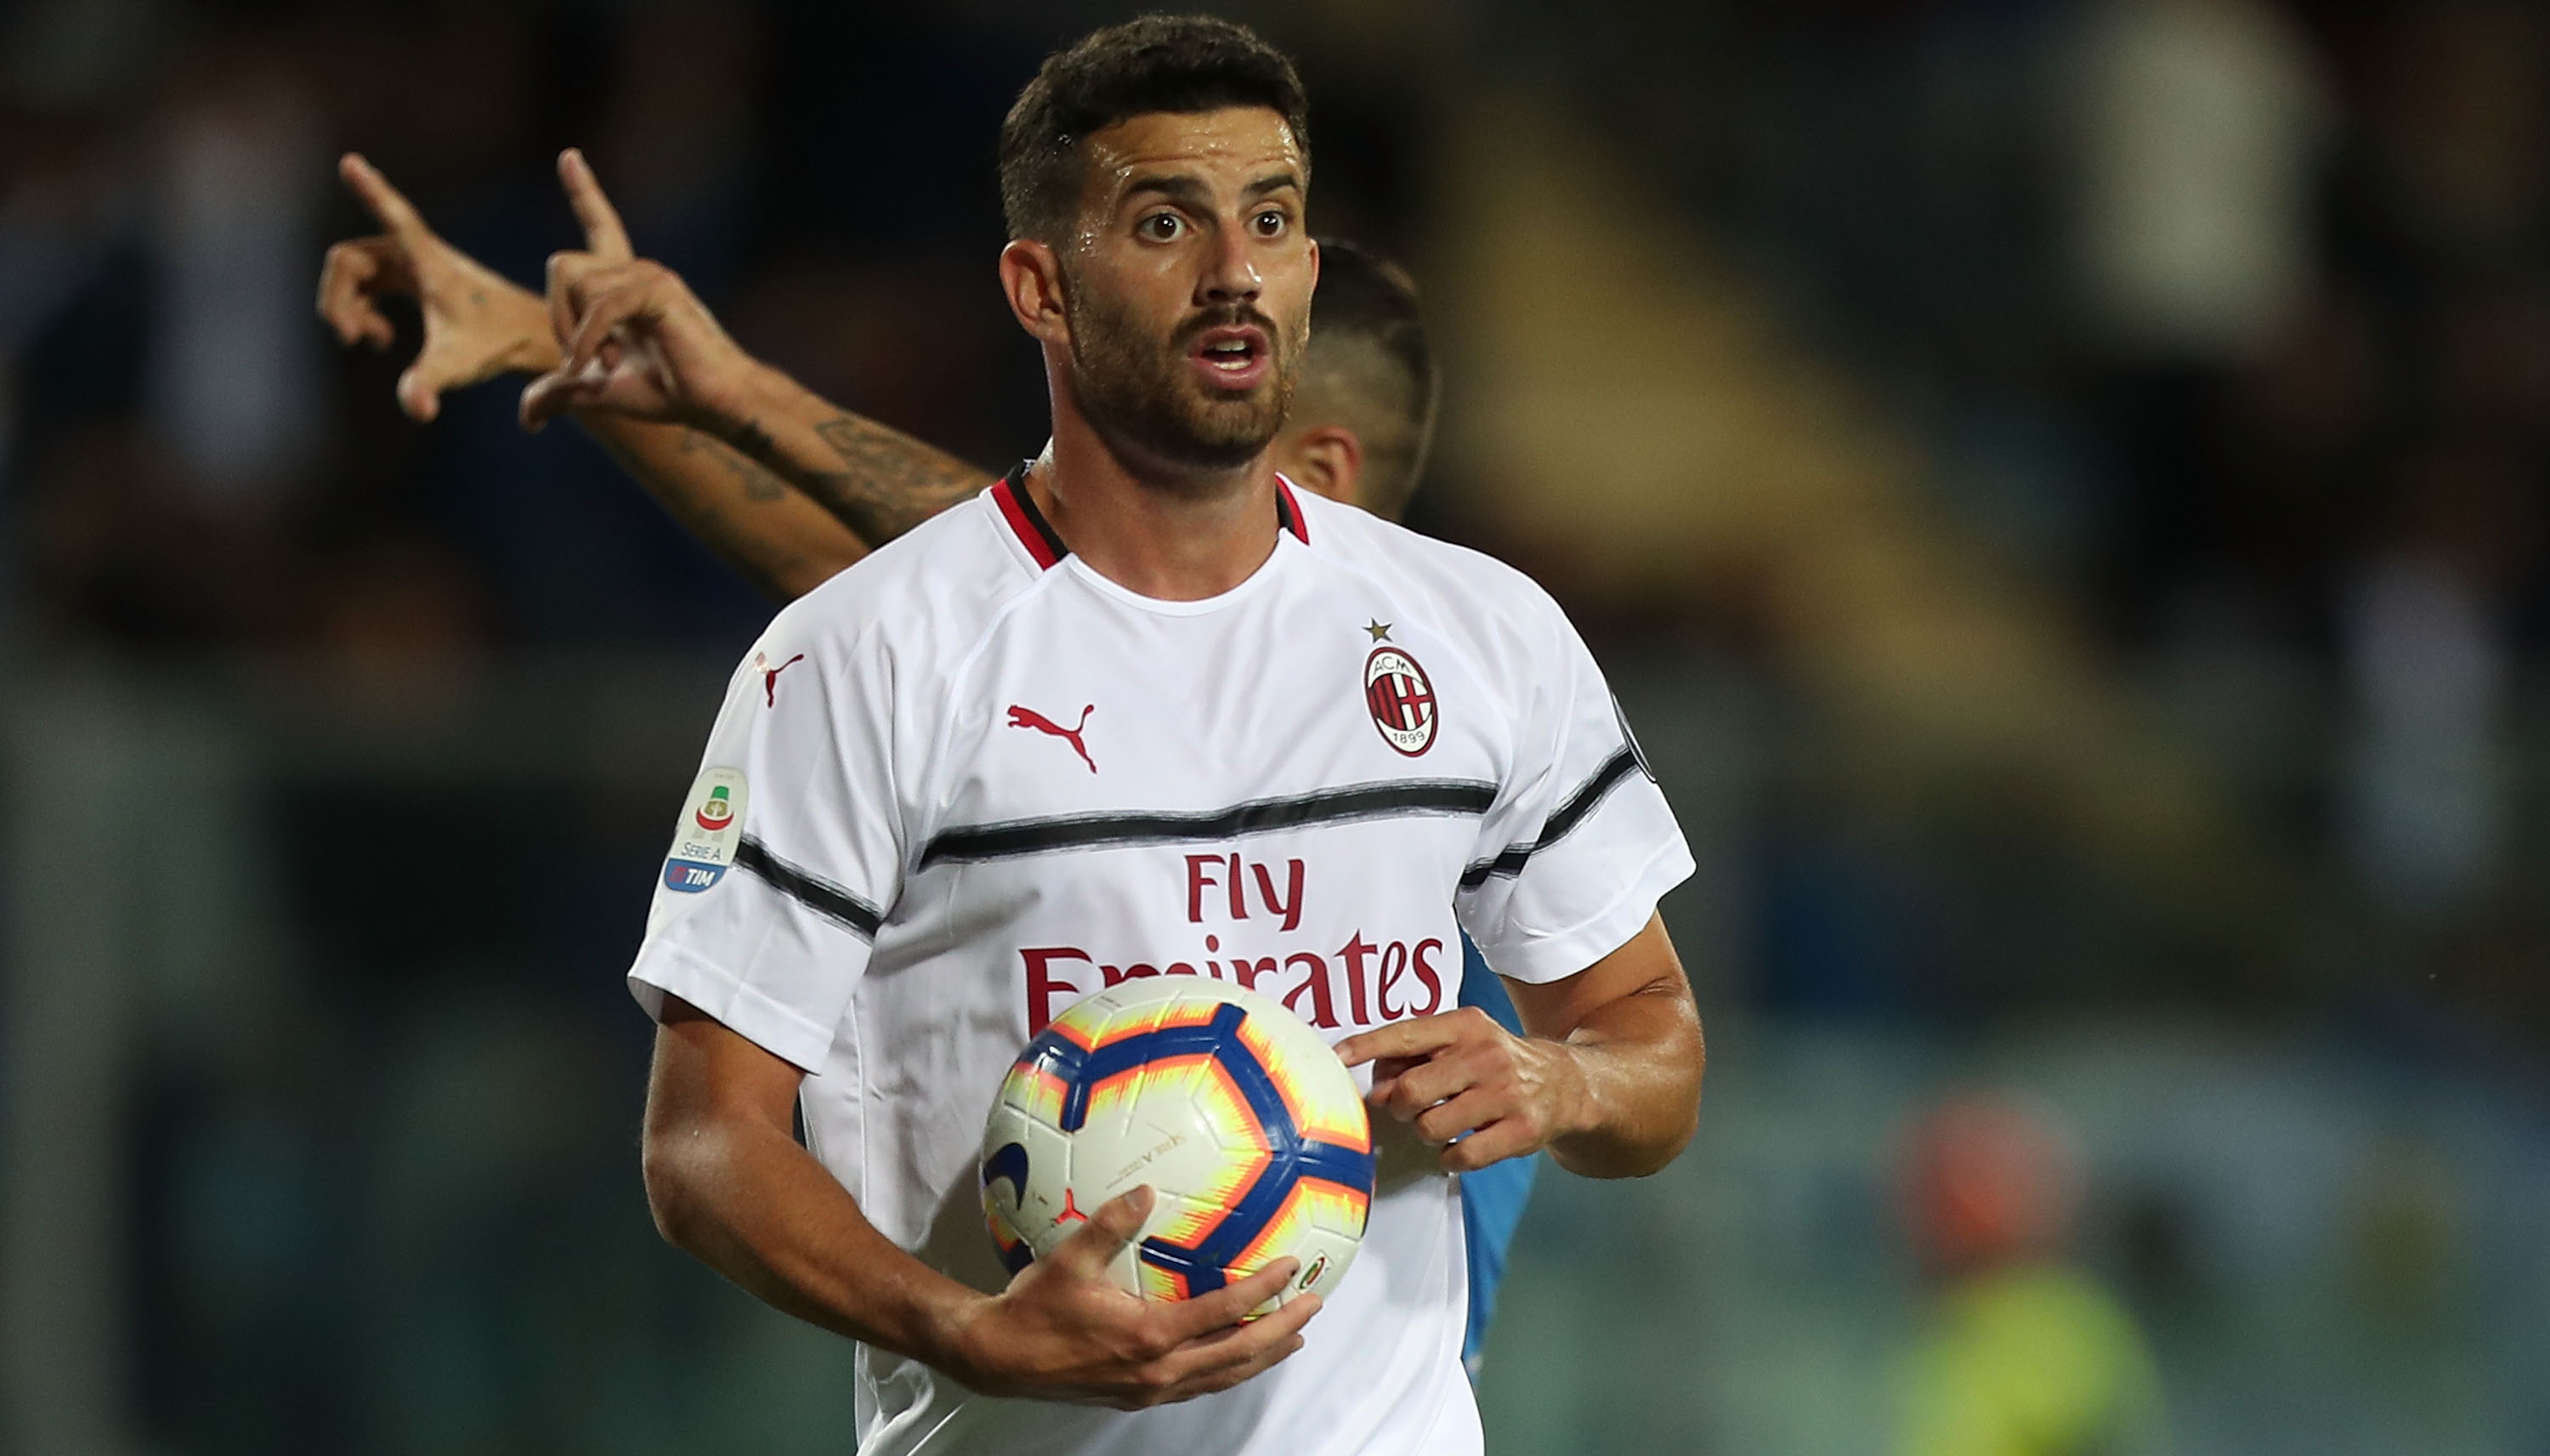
(1188, 190)
(1176, 187)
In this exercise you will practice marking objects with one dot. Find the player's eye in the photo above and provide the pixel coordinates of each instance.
(1270, 222)
(1161, 226)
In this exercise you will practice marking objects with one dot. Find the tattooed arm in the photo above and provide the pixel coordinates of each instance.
(773, 535)
(878, 482)
(788, 517)
(869, 483)
(636, 351)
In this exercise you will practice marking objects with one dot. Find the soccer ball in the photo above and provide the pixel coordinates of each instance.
(1242, 1121)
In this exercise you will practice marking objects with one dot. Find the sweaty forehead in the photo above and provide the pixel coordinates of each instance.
(1233, 146)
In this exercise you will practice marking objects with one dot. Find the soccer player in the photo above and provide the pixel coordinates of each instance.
(1358, 430)
(1301, 739)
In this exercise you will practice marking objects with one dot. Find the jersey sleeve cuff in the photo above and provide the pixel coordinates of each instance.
(1543, 957)
(668, 970)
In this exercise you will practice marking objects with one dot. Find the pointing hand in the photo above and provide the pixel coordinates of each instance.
(477, 325)
(633, 337)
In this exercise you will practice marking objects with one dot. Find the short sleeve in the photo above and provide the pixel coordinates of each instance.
(1579, 845)
(788, 852)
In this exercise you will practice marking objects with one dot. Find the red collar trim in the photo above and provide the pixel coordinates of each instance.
(1019, 508)
(1033, 531)
(1287, 512)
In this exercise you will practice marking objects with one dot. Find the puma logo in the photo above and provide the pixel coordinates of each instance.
(770, 680)
(1028, 718)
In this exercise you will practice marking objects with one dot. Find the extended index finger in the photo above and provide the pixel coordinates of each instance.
(604, 235)
(381, 199)
(1407, 1038)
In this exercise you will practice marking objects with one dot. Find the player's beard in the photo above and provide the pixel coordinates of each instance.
(1139, 393)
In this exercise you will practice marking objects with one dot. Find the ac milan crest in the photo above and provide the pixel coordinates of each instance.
(1402, 701)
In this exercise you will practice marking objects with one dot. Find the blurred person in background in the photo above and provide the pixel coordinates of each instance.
(2023, 1354)
(1358, 432)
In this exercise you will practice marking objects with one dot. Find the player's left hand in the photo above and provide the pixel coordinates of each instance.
(1461, 1076)
(477, 323)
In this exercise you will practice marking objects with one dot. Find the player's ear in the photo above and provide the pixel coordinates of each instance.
(1329, 459)
(1032, 280)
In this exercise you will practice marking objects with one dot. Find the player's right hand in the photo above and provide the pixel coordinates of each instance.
(477, 325)
(633, 337)
(1063, 1332)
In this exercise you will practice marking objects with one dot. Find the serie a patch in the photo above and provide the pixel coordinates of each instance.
(712, 824)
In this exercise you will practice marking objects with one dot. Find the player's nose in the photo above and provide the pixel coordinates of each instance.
(1230, 270)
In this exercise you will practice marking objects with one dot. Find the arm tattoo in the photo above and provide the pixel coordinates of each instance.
(758, 483)
(894, 482)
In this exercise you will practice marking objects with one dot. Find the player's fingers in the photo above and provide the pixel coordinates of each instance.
(1449, 1073)
(1230, 1305)
(604, 235)
(382, 200)
(346, 279)
(567, 274)
(554, 393)
(1094, 1243)
(1416, 1037)
(1469, 1113)
(603, 312)
(419, 394)
(558, 391)
(1257, 1363)
(1240, 1350)
(1507, 1138)
(440, 366)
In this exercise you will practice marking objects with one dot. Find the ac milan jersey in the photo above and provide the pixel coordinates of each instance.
(972, 780)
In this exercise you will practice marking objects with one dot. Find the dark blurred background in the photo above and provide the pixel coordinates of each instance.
(2059, 487)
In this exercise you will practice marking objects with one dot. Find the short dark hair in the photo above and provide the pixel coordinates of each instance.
(1369, 363)
(1158, 63)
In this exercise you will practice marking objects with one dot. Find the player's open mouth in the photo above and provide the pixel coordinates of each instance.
(1233, 357)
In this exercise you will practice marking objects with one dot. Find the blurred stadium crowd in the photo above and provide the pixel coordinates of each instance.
(2060, 486)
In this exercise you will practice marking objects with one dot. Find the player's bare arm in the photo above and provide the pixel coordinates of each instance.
(479, 324)
(729, 1183)
(639, 344)
(1609, 1079)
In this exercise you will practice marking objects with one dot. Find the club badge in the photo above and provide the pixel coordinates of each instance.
(1400, 699)
(712, 824)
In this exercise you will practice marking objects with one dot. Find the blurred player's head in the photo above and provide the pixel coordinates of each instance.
(1986, 1180)
(1154, 176)
(1363, 411)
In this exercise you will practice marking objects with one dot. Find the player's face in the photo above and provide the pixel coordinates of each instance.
(1188, 284)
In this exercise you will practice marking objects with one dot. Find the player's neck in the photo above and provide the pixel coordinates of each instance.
(1180, 540)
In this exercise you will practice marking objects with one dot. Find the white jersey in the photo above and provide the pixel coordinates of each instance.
(972, 780)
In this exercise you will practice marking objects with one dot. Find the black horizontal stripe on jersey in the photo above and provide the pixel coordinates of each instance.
(810, 889)
(1592, 792)
(1396, 798)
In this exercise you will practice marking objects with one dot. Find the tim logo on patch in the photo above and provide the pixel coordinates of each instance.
(690, 876)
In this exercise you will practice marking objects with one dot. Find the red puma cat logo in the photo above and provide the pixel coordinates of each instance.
(1028, 718)
(770, 680)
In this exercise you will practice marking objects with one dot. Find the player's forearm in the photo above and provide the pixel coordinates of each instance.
(780, 540)
(1636, 1102)
(876, 481)
(745, 1200)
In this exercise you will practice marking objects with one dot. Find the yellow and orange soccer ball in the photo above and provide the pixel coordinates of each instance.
(1242, 1121)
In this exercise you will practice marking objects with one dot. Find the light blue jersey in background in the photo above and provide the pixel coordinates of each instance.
(1493, 1198)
